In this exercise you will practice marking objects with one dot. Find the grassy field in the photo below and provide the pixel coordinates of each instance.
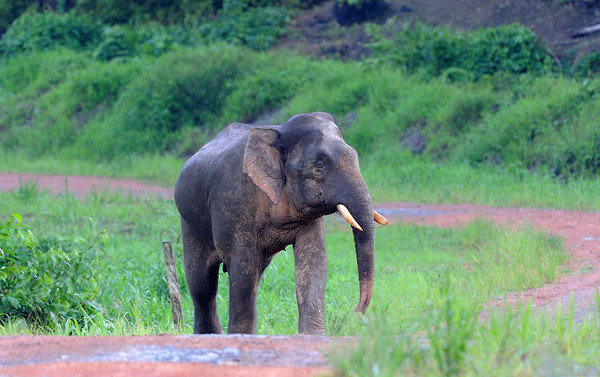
(124, 234)
(431, 284)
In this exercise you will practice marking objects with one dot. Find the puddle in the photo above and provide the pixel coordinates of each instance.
(407, 212)
(170, 354)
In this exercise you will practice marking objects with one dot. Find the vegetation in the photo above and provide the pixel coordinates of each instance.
(118, 276)
(43, 283)
(453, 342)
(509, 48)
(443, 277)
(133, 88)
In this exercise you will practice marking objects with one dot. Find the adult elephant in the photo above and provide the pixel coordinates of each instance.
(249, 193)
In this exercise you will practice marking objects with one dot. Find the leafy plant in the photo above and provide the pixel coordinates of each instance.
(450, 330)
(379, 352)
(41, 283)
(510, 48)
(587, 66)
(256, 28)
(34, 31)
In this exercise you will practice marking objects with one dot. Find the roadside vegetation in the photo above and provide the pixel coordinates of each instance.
(438, 116)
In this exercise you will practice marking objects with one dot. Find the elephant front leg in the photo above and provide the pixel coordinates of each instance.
(244, 276)
(311, 275)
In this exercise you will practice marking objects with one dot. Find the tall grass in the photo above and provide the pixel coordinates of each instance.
(411, 262)
(514, 342)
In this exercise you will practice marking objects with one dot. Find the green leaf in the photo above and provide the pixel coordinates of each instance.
(13, 302)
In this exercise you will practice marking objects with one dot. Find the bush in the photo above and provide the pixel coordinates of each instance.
(275, 78)
(512, 48)
(122, 42)
(550, 129)
(181, 89)
(115, 44)
(256, 28)
(42, 31)
(41, 283)
(10, 10)
(588, 66)
(163, 11)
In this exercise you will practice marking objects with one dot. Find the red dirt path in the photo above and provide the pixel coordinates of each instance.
(167, 355)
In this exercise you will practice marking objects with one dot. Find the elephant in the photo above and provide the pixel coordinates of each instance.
(253, 190)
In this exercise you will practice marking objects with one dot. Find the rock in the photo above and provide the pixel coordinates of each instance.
(348, 14)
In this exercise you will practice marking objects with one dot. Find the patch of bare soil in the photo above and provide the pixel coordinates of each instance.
(232, 355)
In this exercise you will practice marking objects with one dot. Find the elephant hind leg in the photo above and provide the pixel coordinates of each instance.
(202, 275)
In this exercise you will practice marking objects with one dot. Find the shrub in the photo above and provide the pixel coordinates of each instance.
(588, 66)
(115, 44)
(122, 42)
(10, 10)
(510, 48)
(41, 283)
(42, 31)
(183, 88)
(256, 28)
(163, 11)
(550, 129)
(274, 79)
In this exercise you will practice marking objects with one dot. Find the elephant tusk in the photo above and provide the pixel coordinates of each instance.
(347, 216)
(380, 219)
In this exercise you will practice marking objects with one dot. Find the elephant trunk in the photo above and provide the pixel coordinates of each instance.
(364, 242)
(358, 204)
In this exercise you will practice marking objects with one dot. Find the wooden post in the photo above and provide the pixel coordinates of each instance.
(173, 286)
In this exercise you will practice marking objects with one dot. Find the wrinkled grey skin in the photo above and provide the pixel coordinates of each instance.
(252, 191)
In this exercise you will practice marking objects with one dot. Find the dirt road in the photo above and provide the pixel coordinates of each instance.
(279, 355)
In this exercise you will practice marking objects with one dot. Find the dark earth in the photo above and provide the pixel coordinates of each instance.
(255, 355)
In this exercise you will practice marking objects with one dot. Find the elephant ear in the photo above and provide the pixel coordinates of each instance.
(262, 162)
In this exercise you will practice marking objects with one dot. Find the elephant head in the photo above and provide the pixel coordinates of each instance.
(307, 170)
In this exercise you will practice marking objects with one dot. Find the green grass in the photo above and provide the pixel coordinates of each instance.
(106, 112)
(406, 179)
(429, 290)
(126, 233)
(399, 177)
(451, 342)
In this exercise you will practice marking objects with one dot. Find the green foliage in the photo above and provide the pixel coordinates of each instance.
(122, 42)
(451, 330)
(43, 283)
(59, 115)
(272, 80)
(588, 66)
(511, 342)
(256, 28)
(183, 89)
(121, 12)
(10, 10)
(41, 31)
(115, 44)
(511, 48)
(550, 127)
(379, 351)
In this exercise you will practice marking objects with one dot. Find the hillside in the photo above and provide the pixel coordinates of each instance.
(458, 84)
(316, 32)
